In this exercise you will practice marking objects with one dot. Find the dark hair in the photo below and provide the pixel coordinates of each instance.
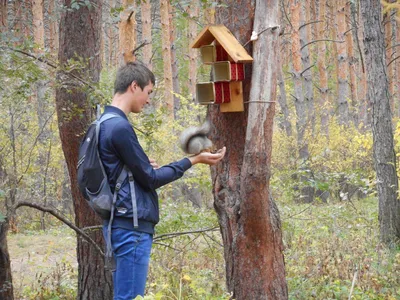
(132, 71)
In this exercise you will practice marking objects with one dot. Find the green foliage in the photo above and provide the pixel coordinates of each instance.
(60, 284)
(342, 157)
(327, 246)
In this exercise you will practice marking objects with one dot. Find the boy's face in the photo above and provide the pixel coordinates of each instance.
(140, 97)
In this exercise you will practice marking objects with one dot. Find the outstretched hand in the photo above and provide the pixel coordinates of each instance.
(208, 158)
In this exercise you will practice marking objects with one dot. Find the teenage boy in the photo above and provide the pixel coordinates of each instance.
(119, 147)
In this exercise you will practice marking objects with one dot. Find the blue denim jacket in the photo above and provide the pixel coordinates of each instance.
(119, 146)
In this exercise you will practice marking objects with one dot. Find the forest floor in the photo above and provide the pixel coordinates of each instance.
(328, 248)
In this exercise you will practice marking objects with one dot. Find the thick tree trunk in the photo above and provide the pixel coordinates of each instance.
(248, 218)
(146, 33)
(343, 105)
(166, 55)
(378, 93)
(6, 287)
(127, 32)
(80, 35)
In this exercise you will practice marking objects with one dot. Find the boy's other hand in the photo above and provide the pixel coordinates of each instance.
(208, 158)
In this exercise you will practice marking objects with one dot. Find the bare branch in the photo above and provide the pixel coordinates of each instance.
(140, 46)
(45, 61)
(322, 40)
(392, 60)
(130, 15)
(301, 74)
(309, 23)
(62, 219)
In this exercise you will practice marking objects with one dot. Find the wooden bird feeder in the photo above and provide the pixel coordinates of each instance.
(220, 49)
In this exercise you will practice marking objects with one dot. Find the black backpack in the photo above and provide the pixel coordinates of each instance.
(93, 182)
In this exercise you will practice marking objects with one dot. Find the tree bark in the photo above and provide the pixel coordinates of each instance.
(174, 61)
(282, 99)
(378, 93)
(192, 32)
(53, 28)
(3, 16)
(166, 55)
(305, 36)
(6, 287)
(146, 33)
(343, 105)
(127, 32)
(351, 63)
(80, 31)
(321, 64)
(248, 218)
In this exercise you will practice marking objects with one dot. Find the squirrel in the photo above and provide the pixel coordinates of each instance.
(193, 140)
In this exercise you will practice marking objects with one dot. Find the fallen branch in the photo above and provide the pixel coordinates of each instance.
(175, 234)
(62, 219)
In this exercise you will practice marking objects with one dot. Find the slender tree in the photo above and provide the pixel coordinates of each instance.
(321, 64)
(166, 55)
(80, 31)
(248, 218)
(342, 102)
(378, 94)
(192, 33)
(306, 75)
(146, 33)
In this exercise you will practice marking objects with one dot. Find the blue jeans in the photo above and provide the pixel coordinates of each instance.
(132, 255)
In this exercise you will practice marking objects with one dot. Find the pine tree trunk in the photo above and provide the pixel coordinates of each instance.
(389, 56)
(166, 55)
(53, 28)
(193, 15)
(174, 61)
(343, 105)
(3, 16)
(305, 35)
(282, 99)
(247, 216)
(397, 110)
(146, 33)
(6, 286)
(127, 32)
(364, 103)
(378, 93)
(321, 63)
(351, 64)
(74, 116)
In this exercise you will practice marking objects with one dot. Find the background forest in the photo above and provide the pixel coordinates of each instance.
(323, 178)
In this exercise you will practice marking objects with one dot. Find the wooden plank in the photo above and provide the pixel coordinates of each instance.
(236, 104)
(230, 44)
(205, 37)
(226, 39)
